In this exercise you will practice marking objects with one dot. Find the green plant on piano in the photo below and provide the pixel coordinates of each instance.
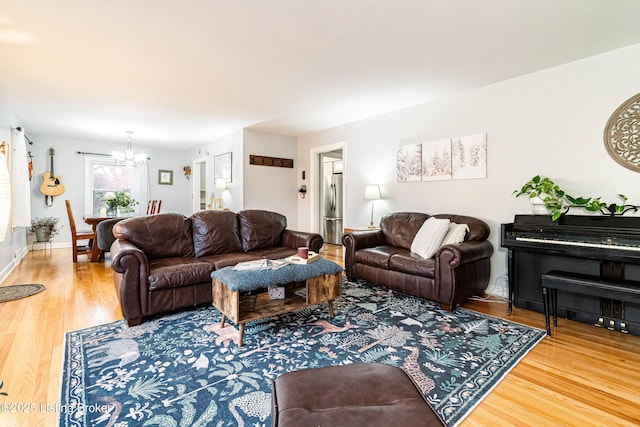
(596, 205)
(558, 202)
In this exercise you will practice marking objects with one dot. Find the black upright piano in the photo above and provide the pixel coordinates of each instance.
(599, 247)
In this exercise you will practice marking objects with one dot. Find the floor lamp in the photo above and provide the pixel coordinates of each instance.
(372, 192)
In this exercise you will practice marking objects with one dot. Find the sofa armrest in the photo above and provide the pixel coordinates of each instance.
(297, 239)
(355, 240)
(462, 270)
(462, 253)
(120, 249)
(131, 277)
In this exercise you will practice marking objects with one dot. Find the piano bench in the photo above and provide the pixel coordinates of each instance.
(621, 290)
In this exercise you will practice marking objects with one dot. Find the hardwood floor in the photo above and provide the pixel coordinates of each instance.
(581, 376)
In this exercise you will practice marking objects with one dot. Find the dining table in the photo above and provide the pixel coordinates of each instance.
(93, 221)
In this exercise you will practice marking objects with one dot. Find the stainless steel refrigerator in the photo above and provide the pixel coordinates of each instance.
(332, 202)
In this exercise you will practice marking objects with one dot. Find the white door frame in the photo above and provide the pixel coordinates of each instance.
(316, 181)
(195, 189)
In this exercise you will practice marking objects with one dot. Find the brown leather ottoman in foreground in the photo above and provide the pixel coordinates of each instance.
(365, 394)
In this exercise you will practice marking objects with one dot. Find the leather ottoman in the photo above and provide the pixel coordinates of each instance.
(365, 394)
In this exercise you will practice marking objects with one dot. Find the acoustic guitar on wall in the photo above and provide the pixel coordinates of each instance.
(51, 184)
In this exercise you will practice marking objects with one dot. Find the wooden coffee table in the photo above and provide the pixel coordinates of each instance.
(240, 308)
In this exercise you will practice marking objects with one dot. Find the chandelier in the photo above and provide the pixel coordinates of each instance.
(129, 158)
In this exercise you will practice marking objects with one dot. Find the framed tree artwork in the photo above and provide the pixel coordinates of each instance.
(436, 160)
(462, 157)
(469, 156)
(409, 163)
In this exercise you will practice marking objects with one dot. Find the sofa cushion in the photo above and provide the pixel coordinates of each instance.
(230, 259)
(215, 232)
(377, 256)
(429, 237)
(399, 228)
(277, 252)
(175, 272)
(455, 234)
(261, 229)
(478, 229)
(410, 263)
(158, 236)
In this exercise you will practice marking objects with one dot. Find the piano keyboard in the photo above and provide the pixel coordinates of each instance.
(581, 244)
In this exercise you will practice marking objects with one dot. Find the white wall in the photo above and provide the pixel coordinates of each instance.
(254, 187)
(550, 123)
(70, 167)
(268, 187)
(233, 198)
(175, 198)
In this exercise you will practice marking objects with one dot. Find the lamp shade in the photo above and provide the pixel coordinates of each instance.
(221, 184)
(372, 192)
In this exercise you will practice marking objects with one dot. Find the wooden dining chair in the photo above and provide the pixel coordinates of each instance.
(79, 235)
(153, 207)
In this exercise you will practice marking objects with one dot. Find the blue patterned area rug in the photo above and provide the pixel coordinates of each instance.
(183, 370)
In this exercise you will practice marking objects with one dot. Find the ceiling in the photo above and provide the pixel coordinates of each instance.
(189, 72)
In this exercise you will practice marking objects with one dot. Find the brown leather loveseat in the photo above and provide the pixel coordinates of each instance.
(164, 262)
(456, 271)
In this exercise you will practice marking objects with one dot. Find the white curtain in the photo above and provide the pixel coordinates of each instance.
(21, 191)
(5, 196)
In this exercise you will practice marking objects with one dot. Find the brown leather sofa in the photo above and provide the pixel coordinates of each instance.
(163, 262)
(383, 256)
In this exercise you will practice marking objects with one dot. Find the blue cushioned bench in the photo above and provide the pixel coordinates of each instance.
(236, 293)
(250, 280)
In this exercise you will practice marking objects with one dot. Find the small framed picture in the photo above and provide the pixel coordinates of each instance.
(222, 167)
(165, 177)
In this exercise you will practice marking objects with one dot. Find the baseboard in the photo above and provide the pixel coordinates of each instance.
(22, 252)
(40, 246)
(6, 271)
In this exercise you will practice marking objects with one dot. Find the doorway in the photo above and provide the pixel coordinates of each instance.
(329, 206)
(199, 174)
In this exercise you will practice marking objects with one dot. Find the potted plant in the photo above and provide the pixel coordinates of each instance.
(45, 228)
(557, 202)
(119, 201)
(545, 192)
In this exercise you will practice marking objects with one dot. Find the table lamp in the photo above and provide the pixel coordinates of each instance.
(372, 192)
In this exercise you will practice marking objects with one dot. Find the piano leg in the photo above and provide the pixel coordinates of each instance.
(554, 305)
(545, 298)
(510, 278)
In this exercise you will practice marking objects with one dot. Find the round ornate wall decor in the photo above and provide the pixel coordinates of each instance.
(622, 134)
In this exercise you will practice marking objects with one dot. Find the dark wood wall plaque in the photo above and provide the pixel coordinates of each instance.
(270, 161)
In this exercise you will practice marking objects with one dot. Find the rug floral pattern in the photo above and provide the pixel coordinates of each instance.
(184, 370)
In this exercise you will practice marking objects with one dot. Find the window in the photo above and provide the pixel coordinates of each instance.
(102, 176)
